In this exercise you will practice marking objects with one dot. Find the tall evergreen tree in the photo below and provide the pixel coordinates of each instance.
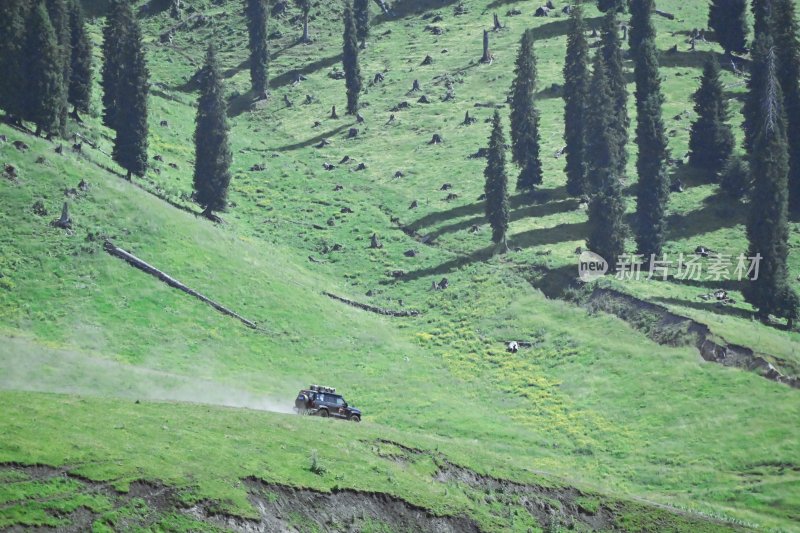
(117, 20)
(711, 140)
(130, 121)
(606, 206)
(762, 13)
(767, 225)
(352, 71)
(80, 82)
(12, 69)
(756, 83)
(305, 7)
(212, 151)
(728, 19)
(59, 18)
(653, 188)
(361, 14)
(525, 117)
(615, 71)
(496, 187)
(44, 71)
(257, 13)
(787, 48)
(576, 91)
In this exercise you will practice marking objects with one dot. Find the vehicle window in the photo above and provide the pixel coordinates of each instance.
(339, 400)
(320, 397)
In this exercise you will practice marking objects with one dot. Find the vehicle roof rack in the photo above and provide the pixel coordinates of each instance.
(322, 388)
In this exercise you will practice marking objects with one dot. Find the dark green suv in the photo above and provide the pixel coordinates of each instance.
(323, 401)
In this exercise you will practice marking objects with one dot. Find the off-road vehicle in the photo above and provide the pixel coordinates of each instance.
(323, 401)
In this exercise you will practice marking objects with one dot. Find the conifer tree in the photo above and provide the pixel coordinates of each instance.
(130, 120)
(361, 14)
(59, 18)
(212, 151)
(12, 71)
(352, 71)
(767, 225)
(653, 188)
(756, 84)
(612, 59)
(80, 82)
(525, 117)
(117, 20)
(576, 91)
(44, 71)
(711, 139)
(786, 33)
(728, 19)
(496, 187)
(606, 206)
(762, 13)
(257, 14)
(305, 7)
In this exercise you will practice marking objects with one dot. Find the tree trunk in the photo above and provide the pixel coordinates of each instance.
(487, 56)
(497, 25)
(128, 176)
(306, 36)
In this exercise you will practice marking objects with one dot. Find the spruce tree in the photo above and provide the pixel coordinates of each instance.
(711, 139)
(756, 84)
(80, 82)
(525, 117)
(212, 151)
(130, 121)
(787, 48)
(653, 187)
(612, 59)
(44, 71)
(352, 71)
(361, 14)
(606, 206)
(576, 91)
(762, 13)
(12, 69)
(59, 18)
(257, 14)
(117, 20)
(496, 187)
(305, 7)
(728, 19)
(767, 225)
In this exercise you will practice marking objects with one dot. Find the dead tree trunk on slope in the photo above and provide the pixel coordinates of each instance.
(487, 55)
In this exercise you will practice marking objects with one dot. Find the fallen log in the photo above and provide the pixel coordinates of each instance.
(664, 14)
(172, 282)
(371, 308)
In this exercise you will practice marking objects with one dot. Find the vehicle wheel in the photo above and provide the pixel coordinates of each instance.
(355, 418)
(323, 413)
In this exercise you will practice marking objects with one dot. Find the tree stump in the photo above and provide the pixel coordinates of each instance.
(352, 133)
(468, 119)
(497, 26)
(377, 78)
(436, 139)
(359, 118)
(375, 242)
(427, 61)
(487, 55)
(286, 101)
(63, 222)
(333, 112)
(415, 86)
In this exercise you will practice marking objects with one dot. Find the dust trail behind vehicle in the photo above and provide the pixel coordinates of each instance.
(27, 366)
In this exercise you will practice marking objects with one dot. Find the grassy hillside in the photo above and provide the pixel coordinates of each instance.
(593, 403)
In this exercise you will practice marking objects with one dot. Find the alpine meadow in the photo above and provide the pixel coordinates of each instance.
(533, 266)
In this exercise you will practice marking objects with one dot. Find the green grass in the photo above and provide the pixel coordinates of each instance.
(594, 403)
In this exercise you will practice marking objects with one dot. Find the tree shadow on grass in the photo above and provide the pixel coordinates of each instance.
(520, 200)
(408, 8)
(313, 140)
(558, 28)
(291, 76)
(447, 267)
(717, 214)
(711, 307)
(698, 58)
(531, 211)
